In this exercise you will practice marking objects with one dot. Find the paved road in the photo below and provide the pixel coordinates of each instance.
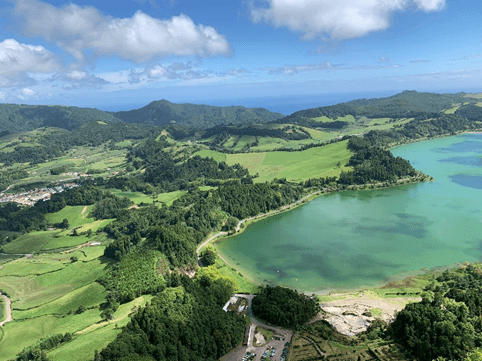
(238, 353)
(238, 227)
(8, 309)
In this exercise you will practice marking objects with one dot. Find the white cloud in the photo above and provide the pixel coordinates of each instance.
(3, 96)
(430, 5)
(77, 79)
(17, 60)
(340, 19)
(295, 69)
(140, 38)
(26, 93)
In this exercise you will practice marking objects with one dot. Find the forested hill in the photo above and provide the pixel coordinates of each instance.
(403, 105)
(16, 118)
(163, 112)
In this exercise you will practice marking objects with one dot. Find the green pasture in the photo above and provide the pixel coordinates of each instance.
(86, 254)
(218, 157)
(65, 241)
(77, 215)
(95, 225)
(138, 197)
(452, 110)
(26, 266)
(295, 166)
(97, 336)
(20, 334)
(379, 121)
(88, 296)
(33, 291)
(479, 104)
(348, 118)
(319, 135)
(29, 243)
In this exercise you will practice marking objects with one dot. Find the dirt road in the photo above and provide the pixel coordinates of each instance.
(8, 310)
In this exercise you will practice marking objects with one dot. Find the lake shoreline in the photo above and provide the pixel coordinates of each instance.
(377, 186)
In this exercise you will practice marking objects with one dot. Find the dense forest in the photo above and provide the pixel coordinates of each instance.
(371, 163)
(284, 307)
(447, 323)
(184, 322)
(19, 118)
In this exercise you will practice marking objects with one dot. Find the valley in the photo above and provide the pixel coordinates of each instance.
(117, 244)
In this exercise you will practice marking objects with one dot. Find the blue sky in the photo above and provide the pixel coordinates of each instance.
(125, 53)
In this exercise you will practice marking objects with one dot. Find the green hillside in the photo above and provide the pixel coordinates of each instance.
(19, 118)
(163, 112)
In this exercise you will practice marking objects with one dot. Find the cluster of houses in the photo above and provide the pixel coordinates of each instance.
(33, 196)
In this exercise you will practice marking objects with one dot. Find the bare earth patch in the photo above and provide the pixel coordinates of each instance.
(353, 314)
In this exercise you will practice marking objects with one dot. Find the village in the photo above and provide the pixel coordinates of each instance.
(31, 197)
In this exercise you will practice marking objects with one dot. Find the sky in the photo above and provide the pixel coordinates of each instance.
(281, 54)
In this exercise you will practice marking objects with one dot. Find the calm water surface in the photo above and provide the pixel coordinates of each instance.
(355, 239)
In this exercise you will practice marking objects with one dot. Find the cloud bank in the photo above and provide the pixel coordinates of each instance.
(140, 38)
(16, 60)
(340, 19)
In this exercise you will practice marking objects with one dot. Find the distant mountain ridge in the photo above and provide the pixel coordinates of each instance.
(163, 112)
(19, 118)
(16, 118)
(404, 104)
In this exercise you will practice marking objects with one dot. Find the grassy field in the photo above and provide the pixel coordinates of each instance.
(244, 284)
(77, 215)
(98, 335)
(21, 334)
(29, 242)
(348, 118)
(294, 166)
(138, 197)
(32, 291)
(453, 109)
(88, 296)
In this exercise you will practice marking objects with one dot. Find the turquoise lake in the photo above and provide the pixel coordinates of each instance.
(366, 238)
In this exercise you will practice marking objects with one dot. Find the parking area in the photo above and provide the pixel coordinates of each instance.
(256, 353)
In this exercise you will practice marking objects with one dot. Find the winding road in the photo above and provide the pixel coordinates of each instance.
(255, 217)
(8, 310)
